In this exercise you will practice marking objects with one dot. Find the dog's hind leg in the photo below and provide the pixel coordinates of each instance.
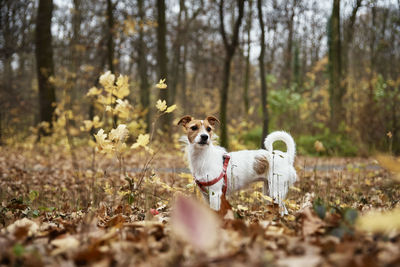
(215, 200)
(265, 187)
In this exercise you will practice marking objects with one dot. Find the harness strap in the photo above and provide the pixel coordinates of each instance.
(223, 174)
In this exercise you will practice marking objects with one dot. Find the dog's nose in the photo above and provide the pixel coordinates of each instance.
(204, 137)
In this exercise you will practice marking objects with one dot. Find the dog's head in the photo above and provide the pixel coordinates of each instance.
(199, 132)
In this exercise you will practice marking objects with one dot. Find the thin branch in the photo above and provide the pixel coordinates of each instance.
(222, 25)
(238, 21)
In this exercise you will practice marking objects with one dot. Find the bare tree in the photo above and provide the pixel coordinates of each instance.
(230, 47)
(44, 61)
(247, 72)
(335, 68)
(290, 13)
(162, 59)
(110, 35)
(262, 73)
(143, 66)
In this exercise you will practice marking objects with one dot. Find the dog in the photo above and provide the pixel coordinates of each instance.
(219, 173)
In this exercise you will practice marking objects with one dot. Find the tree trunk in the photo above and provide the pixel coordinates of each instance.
(288, 55)
(262, 74)
(247, 72)
(142, 67)
(183, 77)
(175, 74)
(110, 36)
(44, 61)
(75, 51)
(162, 58)
(230, 47)
(348, 39)
(335, 86)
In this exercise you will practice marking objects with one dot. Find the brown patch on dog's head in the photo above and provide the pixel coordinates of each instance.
(195, 127)
(184, 120)
(260, 165)
(212, 120)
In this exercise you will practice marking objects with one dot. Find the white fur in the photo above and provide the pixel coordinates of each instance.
(206, 164)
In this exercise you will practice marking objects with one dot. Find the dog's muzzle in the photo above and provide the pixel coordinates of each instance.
(203, 139)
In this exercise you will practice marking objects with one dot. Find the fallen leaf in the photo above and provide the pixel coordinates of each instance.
(64, 244)
(195, 223)
(311, 223)
(21, 229)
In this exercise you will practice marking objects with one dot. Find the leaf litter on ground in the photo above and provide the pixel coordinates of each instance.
(53, 214)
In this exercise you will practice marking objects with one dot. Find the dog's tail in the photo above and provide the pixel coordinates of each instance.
(286, 138)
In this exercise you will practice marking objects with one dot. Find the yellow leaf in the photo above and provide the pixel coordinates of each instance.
(122, 89)
(380, 221)
(243, 208)
(170, 109)
(391, 164)
(107, 81)
(143, 140)
(93, 91)
(187, 176)
(161, 84)
(319, 146)
(108, 189)
(103, 145)
(295, 188)
(119, 134)
(123, 108)
(161, 105)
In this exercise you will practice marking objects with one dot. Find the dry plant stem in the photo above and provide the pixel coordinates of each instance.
(120, 158)
(113, 122)
(145, 169)
(93, 159)
(71, 144)
(153, 126)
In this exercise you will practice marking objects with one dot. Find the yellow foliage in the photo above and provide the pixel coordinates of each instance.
(88, 124)
(319, 146)
(161, 105)
(107, 81)
(103, 145)
(170, 109)
(142, 141)
(119, 134)
(380, 222)
(123, 108)
(161, 84)
(391, 164)
(122, 89)
(94, 91)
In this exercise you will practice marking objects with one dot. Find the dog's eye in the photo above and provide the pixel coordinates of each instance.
(208, 129)
(194, 128)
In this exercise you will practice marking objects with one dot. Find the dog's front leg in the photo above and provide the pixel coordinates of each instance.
(205, 197)
(215, 199)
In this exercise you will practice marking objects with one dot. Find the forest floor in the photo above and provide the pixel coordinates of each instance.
(53, 213)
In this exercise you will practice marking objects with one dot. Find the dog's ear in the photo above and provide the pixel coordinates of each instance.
(185, 120)
(212, 120)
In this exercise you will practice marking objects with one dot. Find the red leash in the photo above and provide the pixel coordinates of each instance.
(202, 185)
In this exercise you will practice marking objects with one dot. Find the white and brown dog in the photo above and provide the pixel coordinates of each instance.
(217, 172)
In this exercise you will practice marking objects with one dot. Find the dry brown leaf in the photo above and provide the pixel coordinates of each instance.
(195, 223)
(64, 244)
(311, 222)
(21, 229)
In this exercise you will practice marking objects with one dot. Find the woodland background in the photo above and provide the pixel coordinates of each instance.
(91, 168)
(323, 70)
